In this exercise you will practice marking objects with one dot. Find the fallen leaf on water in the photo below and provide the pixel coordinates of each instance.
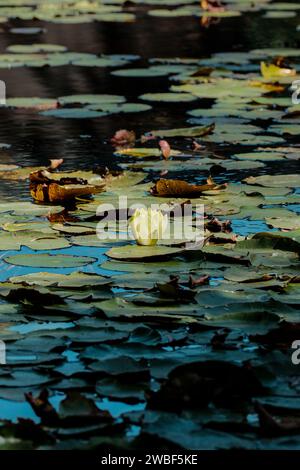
(146, 138)
(207, 21)
(43, 408)
(56, 193)
(196, 146)
(180, 188)
(274, 427)
(212, 5)
(270, 71)
(54, 164)
(200, 281)
(203, 71)
(123, 137)
(216, 225)
(165, 148)
(44, 188)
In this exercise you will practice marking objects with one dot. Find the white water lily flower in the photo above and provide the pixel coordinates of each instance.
(148, 226)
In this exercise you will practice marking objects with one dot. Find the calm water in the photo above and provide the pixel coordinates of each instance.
(83, 143)
(34, 139)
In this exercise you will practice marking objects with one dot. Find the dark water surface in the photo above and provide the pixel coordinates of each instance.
(36, 138)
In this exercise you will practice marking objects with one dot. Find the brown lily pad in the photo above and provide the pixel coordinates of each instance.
(180, 188)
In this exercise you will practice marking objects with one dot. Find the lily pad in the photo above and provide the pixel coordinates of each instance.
(280, 14)
(49, 261)
(73, 113)
(142, 72)
(135, 252)
(168, 97)
(274, 181)
(91, 99)
(290, 223)
(31, 103)
(144, 152)
(33, 240)
(71, 281)
(260, 156)
(32, 48)
(184, 132)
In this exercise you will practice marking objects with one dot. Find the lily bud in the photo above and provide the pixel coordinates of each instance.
(148, 226)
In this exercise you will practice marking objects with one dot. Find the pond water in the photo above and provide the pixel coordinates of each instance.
(145, 332)
(35, 139)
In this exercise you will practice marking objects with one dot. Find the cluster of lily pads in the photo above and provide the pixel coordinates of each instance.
(65, 11)
(77, 11)
(114, 344)
(91, 323)
(247, 97)
(42, 55)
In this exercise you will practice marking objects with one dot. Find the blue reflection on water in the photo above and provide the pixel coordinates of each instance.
(13, 410)
(117, 408)
(8, 270)
(38, 326)
(246, 227)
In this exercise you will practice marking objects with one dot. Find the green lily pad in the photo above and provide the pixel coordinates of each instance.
(120, 108)
(120, 308)
(241, 165)
(73, 229)
(289, 223)
(182, 132)
(33, 240)
(292, 129)
(221, 14)
(31, 103)
(166, 13)
(91, 240)
(260, 156)
(282, 6)
(71, 281)
(142, 72)
(143, 152)
(28, 208)
(49, 261)
(168, 97)
(269, 241)
(73, 113)
(32, 48)
(135, 252)
(91, 99)
(280, 14)
(276, 51)
(116, 17)
(94, 61)
(274, 181)
(220, 88)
